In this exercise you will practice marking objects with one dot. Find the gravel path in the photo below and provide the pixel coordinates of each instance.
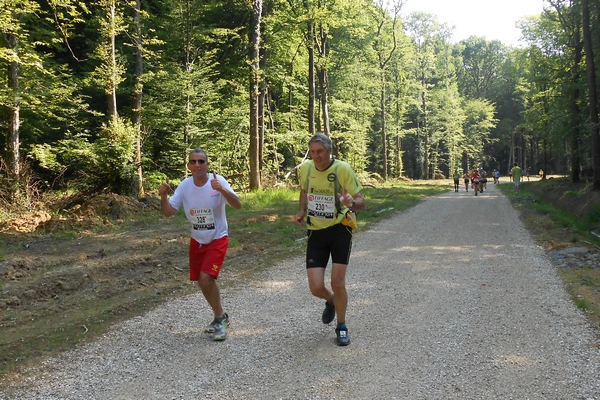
(440, 308)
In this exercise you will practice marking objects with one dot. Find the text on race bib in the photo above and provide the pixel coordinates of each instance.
(202, 219)
(321, 206)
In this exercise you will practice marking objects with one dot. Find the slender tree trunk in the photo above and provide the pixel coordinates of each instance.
(511, 156)
(14, 124)
(136, 114)
(384, 148)
(254, 96)
(310, 40)
(324, 94)
(263, 93)
(324, 80)
(425, 133)
(593, 96)
(291, 99)
(112, 84)
(187, 48)
(575, 111)
(383, 61)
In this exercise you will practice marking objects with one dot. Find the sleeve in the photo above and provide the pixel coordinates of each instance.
(177, 199)
(302, 175)
(350, 181)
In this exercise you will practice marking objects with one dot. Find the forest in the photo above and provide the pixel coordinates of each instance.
(110, 95)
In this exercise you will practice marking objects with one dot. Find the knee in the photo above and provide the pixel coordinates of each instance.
(316, 289)
(205, 281)
(338, 285)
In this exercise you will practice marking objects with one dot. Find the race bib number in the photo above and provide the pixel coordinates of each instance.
(321, 206)
(202, 219)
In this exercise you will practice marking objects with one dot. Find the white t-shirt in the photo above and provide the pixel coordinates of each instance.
(204, 208)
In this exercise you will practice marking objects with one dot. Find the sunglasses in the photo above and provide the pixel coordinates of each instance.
(197, 161)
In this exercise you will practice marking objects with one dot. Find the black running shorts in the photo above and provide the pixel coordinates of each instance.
(335, 241)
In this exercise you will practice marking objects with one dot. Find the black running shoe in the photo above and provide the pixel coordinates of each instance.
(342, 336)
(328, 313)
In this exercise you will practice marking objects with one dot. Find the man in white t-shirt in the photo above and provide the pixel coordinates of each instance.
(203, 197)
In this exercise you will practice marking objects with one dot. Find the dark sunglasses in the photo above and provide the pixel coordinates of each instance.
(197, 161)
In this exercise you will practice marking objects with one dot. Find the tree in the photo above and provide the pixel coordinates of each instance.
(427, 35)
(592, 90)
(568, 14)
(136, 114)
(480, 62)
(385, 48)
(18, 52)
(255, 127)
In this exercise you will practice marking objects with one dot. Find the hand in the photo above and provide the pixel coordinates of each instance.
(164, 188)
(215, 183)
(299, 218)
(346, 199)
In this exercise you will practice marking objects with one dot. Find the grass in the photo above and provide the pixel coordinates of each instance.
(555, 228)
(262, 233)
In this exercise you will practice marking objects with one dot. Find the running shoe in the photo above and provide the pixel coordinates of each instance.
(221, 329)
(210, 328)
(328, 313)
(342, 335)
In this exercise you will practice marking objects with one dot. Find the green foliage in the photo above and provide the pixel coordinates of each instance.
(446, 106)
(105, 163)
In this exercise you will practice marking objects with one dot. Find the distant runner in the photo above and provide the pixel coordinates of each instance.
(516, 174)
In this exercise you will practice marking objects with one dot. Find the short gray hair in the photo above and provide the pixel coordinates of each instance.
(322, 138)
(199, 151)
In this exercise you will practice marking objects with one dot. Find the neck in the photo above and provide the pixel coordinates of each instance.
(200, 180)
(328, 165)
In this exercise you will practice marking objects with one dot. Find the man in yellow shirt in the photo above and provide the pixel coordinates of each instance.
(329, 188)
(516, 173)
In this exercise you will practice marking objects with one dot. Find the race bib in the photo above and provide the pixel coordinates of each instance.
(322, 207)
(202, 219)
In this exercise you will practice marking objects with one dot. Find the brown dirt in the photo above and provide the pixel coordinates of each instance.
(65, 278)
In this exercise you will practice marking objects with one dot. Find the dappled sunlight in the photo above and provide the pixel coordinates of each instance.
(513, 360)
(278, 284)
(187, 331)
(363, 302)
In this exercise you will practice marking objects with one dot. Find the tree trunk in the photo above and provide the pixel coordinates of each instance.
(425, 133)
(384, 148)
(324, 91)
(264, 92)
(593, 96)
(324, 80)
(112, 84)
(255, 182)
(187, 45)
(575, 111)
(310, 40)
(383, 61)
(14, 123)
(136, 114)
